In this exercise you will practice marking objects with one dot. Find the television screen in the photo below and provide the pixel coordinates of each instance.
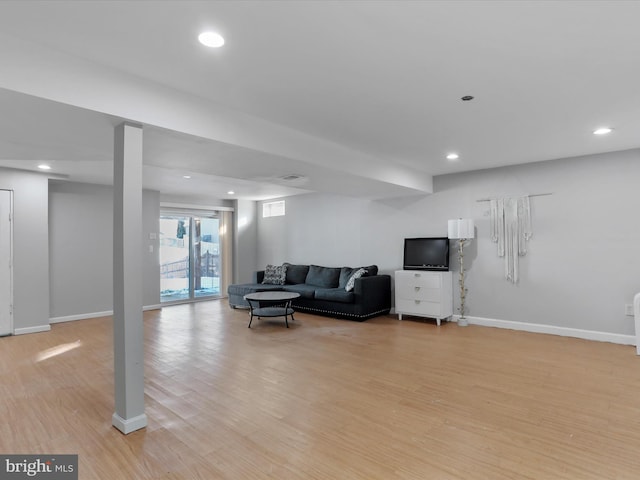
(426, 253)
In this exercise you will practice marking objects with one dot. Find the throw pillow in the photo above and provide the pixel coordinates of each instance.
(345, 275)
(274, 275)
(352, 279)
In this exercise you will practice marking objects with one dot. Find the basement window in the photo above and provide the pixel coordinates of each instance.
(273, 209)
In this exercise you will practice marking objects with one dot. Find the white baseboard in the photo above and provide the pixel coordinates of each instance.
(552, 330)
(130, 424)
(38, 329)
(85, 316)
(81, 316)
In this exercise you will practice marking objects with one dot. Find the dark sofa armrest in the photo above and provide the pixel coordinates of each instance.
(373, 294)
(258, 276)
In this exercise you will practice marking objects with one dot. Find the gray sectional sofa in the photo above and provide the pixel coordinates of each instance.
(323, 290)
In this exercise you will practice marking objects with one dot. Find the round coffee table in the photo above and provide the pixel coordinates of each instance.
(271, 304)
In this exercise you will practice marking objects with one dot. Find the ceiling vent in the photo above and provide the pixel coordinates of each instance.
(291, 180)
(293, 177)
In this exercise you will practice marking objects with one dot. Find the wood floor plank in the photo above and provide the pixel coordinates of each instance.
(326, 399)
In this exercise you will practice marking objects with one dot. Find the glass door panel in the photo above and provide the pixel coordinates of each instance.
(206, 255)
(174, 258)
(189, 257)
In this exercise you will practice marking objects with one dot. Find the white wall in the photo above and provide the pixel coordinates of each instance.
(317, 228)
(583, 260)
(81, 249)
(150, 248)
(30, 249)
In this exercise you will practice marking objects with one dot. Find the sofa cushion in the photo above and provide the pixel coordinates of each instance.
(275, 275)
(346, 272)
(296, 273)
(325, 277)
(361, 272)
(243, 289)
(334, 295)
(372, 271)
(305, 291)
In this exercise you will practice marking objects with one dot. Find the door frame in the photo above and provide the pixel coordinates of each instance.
(192, 214)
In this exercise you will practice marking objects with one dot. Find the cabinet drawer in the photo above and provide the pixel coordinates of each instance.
(420, 279)
(418, 307)
(418, 292)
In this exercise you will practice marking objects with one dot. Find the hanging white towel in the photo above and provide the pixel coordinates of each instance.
(511, 237)
(524, 224)
(501, 225)
(493, 202)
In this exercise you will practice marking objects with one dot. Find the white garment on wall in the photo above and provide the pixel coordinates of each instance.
(511, 229)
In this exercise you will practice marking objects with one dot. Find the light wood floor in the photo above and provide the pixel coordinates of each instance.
(326, 399)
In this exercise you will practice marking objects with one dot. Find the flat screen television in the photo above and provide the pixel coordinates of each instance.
(426, 254)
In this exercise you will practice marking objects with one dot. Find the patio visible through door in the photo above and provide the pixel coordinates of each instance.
(190, 257)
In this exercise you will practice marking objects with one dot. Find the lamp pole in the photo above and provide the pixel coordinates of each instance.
(462, 321)
(462, 230)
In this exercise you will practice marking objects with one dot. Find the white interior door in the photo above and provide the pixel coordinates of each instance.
(6, 300)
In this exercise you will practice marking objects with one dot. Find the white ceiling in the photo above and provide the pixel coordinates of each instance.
(381, 78)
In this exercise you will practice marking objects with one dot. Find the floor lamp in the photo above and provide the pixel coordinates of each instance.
(461, 229)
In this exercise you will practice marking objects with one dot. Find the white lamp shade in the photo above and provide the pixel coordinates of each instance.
(461, 228)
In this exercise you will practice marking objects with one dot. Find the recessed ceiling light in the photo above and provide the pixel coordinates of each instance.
(602, 131)
(44, 167)
(231, 192)
(453, 156)
(186, 176)
(211, 39)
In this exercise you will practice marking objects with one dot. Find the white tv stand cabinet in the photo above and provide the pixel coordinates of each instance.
(424, 294)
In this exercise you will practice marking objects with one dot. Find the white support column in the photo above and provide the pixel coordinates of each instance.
(128, 338)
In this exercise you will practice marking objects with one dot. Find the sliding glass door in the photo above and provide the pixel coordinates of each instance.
(175, 270)
(190, 257)
(206, 257)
